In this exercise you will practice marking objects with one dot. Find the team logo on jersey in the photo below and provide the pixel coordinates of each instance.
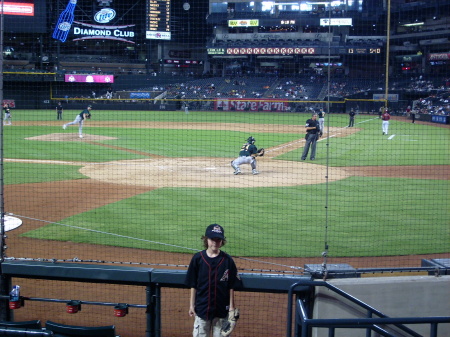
(225, 275)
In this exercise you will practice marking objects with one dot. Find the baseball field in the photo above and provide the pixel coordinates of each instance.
(140, 188)
(154, 180)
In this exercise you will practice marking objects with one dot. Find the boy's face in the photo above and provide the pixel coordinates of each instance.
(215, 243)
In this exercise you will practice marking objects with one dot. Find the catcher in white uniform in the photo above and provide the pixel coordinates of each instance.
(247, 155)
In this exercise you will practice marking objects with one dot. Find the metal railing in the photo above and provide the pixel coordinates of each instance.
(381, 324)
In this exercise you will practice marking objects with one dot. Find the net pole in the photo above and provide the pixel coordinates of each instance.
(388, 34)
(2, 184)
(325, 252)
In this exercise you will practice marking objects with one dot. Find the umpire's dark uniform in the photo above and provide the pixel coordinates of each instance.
(313, 129)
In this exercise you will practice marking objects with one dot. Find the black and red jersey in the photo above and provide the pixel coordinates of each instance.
(212, 278)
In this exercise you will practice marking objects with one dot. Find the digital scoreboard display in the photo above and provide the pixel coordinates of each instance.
(158, 20)
(360, 51)
(89, 78)
(363, 50)
(18, 7)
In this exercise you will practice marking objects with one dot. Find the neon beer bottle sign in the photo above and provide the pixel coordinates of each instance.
(65, 22)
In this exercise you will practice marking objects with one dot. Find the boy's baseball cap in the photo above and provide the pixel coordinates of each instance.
(215, 231)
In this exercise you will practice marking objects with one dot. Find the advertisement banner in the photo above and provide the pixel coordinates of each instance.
(86, 31)
(158, 35)
(390, 98)
(440, 119)
(269, 51)
(11, 103)
(89, 78)
(18, 8)
(243, 23)
(336, 22)
(439, 57)
(248, 104)
(140, 95)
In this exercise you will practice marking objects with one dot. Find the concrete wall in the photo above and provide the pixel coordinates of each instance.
(403, 296)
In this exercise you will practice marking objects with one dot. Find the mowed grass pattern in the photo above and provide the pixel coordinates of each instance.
(357, 216)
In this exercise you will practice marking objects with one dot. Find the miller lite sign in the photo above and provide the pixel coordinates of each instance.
(105, 15)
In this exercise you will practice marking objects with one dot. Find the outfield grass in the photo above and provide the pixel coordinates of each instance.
(283, 223)
(364, 216)
(28, 173)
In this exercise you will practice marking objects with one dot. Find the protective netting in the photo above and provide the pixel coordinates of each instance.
(176, 88)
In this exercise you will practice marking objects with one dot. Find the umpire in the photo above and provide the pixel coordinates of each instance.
(313, 130)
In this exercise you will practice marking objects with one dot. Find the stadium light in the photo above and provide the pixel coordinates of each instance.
(420, 23)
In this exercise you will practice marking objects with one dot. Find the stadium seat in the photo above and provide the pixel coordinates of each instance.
(36, 324)
(24, 332)
(62, 330)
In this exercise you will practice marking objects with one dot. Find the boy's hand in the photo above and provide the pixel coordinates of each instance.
(229, 325)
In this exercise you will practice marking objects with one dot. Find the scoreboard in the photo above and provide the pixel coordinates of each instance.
(158, 20)
(264, 50)
(360, 51)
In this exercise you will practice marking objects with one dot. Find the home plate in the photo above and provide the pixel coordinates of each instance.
(11, 223)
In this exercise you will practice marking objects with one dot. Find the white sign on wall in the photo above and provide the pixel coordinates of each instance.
(158, 35)
(336, 22)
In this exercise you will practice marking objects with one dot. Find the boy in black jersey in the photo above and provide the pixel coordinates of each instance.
(212, 277)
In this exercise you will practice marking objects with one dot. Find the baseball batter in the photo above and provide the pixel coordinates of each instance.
(247, 155)
(385, 117)
(81, 117)
(7, 120)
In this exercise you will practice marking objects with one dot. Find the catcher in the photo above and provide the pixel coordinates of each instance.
(81, 117)
(212, 277)
(247, 155)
